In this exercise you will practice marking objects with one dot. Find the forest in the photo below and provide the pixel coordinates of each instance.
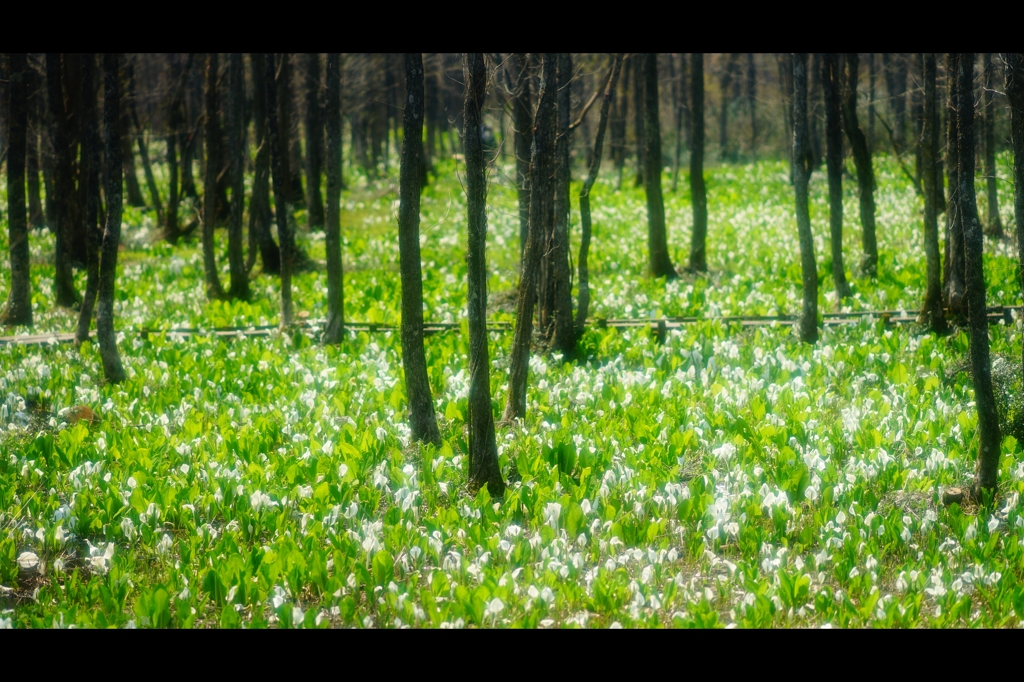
(523, 340)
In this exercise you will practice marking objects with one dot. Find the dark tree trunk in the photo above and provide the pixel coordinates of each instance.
(214, 290)
(34, 90)
(564, 339)
(49, 162)
(332, 227)
(871, 103)
(291, 161)
(112, 369)
(314, 142)
(236, 149)
(895, 67)
(64, 187)
(636, 66)
(131, 180)
(785, 63)
(422, 419)
(1014, 65)
(278, 154)
(834, 162)
(752, 103)
(809, 316)
(680, 108)
(542, 164)
(90, 178)
(659, 263)
(259, 203)
(189, 135)
(698, 192)
(725, 88)
(993, 225)
(71, 76)
(175, 133)
(917, 113)
(932, 313)
(862, 160)
(595, 168)
(522, 119)
(618, 125)
(815, 146)
(140, 137)
(431, 119)
(987, 472)
(18, 310)
(955, 266)
(483, 451)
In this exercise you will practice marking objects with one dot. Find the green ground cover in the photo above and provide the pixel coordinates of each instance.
(723, 478)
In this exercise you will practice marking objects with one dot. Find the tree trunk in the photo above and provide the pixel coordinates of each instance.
(291, 160)
(314, 142)
(278, 154)
(659, 262)
(814, 148)
(483, 451)
(725, 88)
(259, 202)
(993, 225)
(871, 103)
(955, 266)
(90, 177)
(618, 125)
(140, 137)
(541, 175)
(34, 91)
(131, 180)
(214, 290)
(189, 135)
(522, 119)
(808, 266)
(834, 163)
(175, 133)
(64, 187)
(636, 66)
(698, 192)
(681, 106)
(422, 419)
(752, 103)
(987, 472)
(785, 63)
(862, 160)
(112, 369)
(236, 149)
(932, 313)
(595, 168)
(18, 310)
(332, 227)
(1014, 74)
(564, 338)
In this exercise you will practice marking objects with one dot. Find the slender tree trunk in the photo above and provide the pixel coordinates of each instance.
(290, 162)
(564, 337)
(785, 63)
(987, 472)
(681, 88)
(809, 317)
(112, 369)
(862, 160)
(659, 262)
(917, 113)
(955, 266)
(259, 203)
(636, 66)
(993, 225)
(278, 153)
(725, 87)
(871, 103)
(834, 163)
(189, 134)
(541, 174)
(1014, 74)
(422, 419)
(607, 103)
(64, 187)
(140, 138)
(314, 142)
(214, 290)
(815, 146)
(332, 227)
(431, 116)
(131, 180)
(18, 310)
(34, 90)
(175, 124)
(236, 140)
(752, 103)
(618, 125)
(522, 119)
(698, 192)
(90, 177)
(932, 313)
(483, 451)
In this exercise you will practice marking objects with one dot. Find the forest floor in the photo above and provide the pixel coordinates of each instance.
(727, 477)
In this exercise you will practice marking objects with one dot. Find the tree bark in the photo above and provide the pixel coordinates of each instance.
(64, 187)
(422, 419)
(752, 103)
(522, 118)
(314, 142)
(725, 87)
(332, 227)
(176, 124)
(1014, 74)
(541, 174)
(291, 160)
(785, 63)
(18, 310)
(955, 266)
(834, 163)
(698, 191)
(112, 369)
(278, 153)
(564, 338)
(236, 149)
(809, 268)
(987, 471)
(34, 95)
(862, 160)
(90, 178)
(932, 313)
(483, 451)
(618, 124)
(659, 263)
(607, 103)
(214, 290)
(259, 202)
(131, 180)
(993, 224)
(636, 66)
(681, 107)
(140, 138)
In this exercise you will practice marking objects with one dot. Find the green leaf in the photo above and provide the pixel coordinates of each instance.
(383, 568)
